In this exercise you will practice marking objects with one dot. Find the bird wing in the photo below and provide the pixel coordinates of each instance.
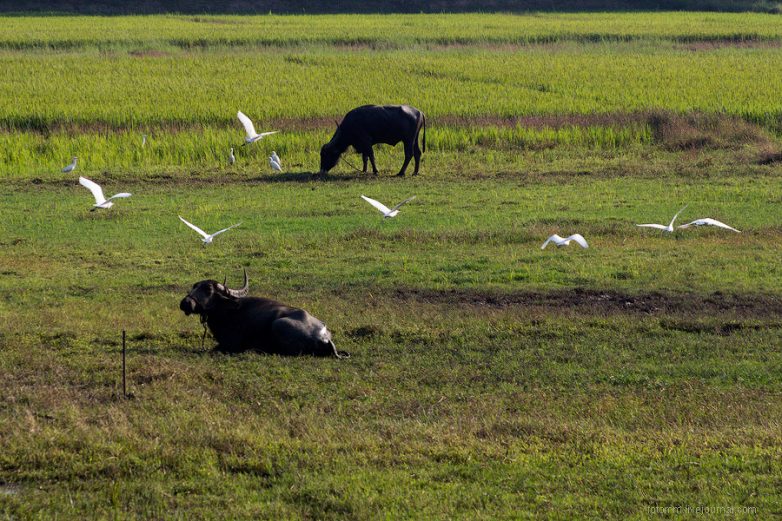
(97, 191)
(215, 234)
(275, 165)
(715, 222)
(249, 128)
(192, 226)
(677, 215)
(118, 196)
(658, 226)
(264, 134)
(579, 239)
(403, 202)
(556, 239)
(377, 204)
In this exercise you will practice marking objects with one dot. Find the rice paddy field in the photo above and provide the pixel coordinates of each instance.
(489, 379)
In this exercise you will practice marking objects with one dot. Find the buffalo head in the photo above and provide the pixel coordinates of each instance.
(208, 294)
(329, 155)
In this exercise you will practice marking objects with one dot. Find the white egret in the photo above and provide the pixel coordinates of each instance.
(97, 192)
(207, 238)
(252, 136)
(276, 158)
(709, 222)
(387, 212)
(70, 167)
(274, 164)
(231, 157)
(559, 241)
(143, 140)
(662, 227)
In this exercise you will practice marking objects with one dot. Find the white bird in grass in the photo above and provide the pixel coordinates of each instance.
(662, 227)
(276, 158)
(274, 164)
(231, 157)
(207, 238)
(97, 192)
(69, 168)
(143, 140)
(709, 222)
(252, 136)
(387, 212)
(559, 241)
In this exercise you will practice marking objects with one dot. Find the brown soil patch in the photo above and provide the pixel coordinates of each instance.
(607, 301)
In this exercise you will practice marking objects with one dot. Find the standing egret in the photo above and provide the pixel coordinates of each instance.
(97, 192)
(274, 164)
(662, 227)
(276, 158)
(559, 241)
(252, 136)
(143, 140)
(207, 238)
(69, 168)
(231, 157)
(387, 212)
(709, 222)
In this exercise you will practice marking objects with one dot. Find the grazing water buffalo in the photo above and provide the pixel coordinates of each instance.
(366, 126)
(240, 323)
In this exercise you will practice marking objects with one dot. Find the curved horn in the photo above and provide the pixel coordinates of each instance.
(242, 292)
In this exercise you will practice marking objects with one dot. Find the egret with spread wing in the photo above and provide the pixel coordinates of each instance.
(97, 193)
(709, 222)
(206, 237)
(249, 129)
(662, 227)
(560, 241)
(387, 212)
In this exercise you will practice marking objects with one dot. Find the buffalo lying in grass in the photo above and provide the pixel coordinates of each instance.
(365, 126)
(241, 323)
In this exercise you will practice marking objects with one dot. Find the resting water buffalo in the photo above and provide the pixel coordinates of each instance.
(366, 126)
(239, 322)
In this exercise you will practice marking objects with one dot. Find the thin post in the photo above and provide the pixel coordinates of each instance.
(124, 388)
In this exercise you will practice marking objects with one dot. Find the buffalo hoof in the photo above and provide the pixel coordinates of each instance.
(400, 174)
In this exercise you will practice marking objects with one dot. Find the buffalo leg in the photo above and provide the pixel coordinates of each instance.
(365, 158)
(371, 154)
(416, 155)
(408, 157)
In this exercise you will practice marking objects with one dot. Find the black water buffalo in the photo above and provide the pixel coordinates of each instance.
(241, 323)
(366, 126)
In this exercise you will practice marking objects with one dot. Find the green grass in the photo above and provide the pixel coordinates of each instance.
(489, 379)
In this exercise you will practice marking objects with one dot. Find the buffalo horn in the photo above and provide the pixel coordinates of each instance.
(239, 293)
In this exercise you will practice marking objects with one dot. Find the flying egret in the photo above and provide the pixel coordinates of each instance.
(276, 158)
(231, 157)
(252, 136)
(662, 227)
(709, 222)
(384, 209)
(274, 164)
(69, 168)
(559, 241)
(207, 239)
(97, 192)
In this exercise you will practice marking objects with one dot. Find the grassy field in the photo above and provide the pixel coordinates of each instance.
(489, 379)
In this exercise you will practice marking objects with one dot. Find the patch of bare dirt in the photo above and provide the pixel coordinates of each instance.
(607, 301)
